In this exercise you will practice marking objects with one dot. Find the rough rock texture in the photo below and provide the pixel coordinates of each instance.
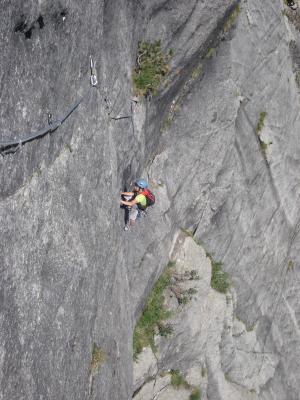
(69, 276)
(211, 348)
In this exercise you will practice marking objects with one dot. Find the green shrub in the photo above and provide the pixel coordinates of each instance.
(178, 380)
(152, 66)
(219, 279)
(184, 300)
(188, 295)
(165, 330)
(195, 395)
(154, 313)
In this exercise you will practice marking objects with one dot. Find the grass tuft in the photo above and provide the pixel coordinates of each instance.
(232, 18)
(151, 320)
(195, 395)
(261, 121)
(211, 53)
(152, 67)
(178, 380)
(219, 279)
(98, 358)
(197, 71)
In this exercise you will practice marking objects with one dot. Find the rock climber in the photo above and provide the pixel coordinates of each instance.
(137, 201)
(291, 4)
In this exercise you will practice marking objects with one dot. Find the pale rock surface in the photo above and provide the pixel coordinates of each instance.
(160, 389)
(145, 368)
(209, 346)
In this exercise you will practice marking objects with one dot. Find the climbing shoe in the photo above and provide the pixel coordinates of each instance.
(292, 4)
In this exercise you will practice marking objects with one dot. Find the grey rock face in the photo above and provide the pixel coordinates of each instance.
(70, 277)
(209, 346)
(244, 207)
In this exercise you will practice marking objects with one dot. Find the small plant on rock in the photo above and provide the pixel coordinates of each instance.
(98, 358)
(165, 330)
(151, 67)
(261, 122)
(195, 395)
(151, 320)
(211, 53)
(194, 275)
(187, 296)
(290, 266)
(232, 18)
(219, 279)
(259, 127)
(178, 380)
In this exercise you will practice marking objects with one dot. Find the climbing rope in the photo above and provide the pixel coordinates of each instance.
(11, 146)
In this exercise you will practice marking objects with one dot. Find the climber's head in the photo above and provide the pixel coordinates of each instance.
(141, 184)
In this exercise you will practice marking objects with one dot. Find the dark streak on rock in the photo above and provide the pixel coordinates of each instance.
(41, 22)
(21, 26)
(28, 33)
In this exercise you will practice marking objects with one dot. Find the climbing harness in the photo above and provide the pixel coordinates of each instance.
(12, 146)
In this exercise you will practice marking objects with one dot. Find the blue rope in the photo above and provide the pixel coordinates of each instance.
(6, 145)
(43, 131)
